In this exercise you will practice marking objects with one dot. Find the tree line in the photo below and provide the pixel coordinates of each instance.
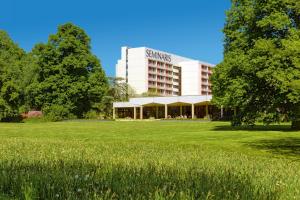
(260, 74)
(61, 78)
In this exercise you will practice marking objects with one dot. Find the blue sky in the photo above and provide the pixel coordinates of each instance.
(191, 28)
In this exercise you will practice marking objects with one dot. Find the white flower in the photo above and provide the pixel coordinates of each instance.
(76, 176)
(78, 190)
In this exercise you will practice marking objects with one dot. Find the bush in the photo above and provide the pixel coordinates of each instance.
(92, 114)
(296, 124)
(236, 121)
(57, 113)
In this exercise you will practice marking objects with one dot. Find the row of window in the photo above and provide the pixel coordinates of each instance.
(159, 64)
(205, 87)
(206, 93)
(164, 91)
(204, 67)
(158, 84)
(162, 77)
(162, 71)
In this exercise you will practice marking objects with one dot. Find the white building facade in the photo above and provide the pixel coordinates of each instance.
(166, 74)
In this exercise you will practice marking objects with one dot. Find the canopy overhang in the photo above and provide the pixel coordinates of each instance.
(156, 101)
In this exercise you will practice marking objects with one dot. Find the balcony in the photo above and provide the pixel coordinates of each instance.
(151, 69)
(169, 74)
(160, 67)
(151, 86)
(161, 73)
(162, 80)
(204, 74)
(151, 78)
(169, 81)
(204, 80)
(160, 86)
(168, 66)
(175, 89)
(175, 70)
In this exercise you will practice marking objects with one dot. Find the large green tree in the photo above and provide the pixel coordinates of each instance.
(261, 61)
(11, 93)
(69, 79)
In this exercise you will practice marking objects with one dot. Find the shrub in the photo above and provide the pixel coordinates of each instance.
(92, 114)
(57, 113)
(236, 121)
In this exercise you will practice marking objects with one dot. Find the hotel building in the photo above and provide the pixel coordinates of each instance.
(182, 86)
(166, 74)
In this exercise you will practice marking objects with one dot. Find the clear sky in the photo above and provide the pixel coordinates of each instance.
(191, 28)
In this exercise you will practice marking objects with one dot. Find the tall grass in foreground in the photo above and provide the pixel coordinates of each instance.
(52, 168)
(78, 180)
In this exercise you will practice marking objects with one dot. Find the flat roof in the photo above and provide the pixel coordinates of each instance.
(143, 101)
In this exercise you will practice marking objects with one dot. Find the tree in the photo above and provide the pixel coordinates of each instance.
(69, 78)
(118, 90)
(151, 93)
(11, 96)
(261, 60)
(295, 96)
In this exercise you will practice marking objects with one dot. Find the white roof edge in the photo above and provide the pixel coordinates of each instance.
(140, 101)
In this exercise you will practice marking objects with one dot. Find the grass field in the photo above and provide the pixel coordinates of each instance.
(148, 160)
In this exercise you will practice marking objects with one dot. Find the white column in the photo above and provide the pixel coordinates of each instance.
(166, 111)
(193, 111)
(206, 110)
(141, 112)
(134, 112)
(114, 113)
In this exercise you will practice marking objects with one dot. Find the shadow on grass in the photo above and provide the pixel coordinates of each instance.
(81, 180)
(281, 128)
(289, 146)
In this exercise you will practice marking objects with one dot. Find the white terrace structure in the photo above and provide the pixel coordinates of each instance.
(164, 107)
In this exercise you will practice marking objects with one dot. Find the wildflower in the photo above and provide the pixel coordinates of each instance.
(57, 195)
(76, 176)
(78, 190)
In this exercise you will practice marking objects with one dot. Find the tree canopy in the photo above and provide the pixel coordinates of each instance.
(69, 79)
(61, 77)
(261, 65)
(11, 95)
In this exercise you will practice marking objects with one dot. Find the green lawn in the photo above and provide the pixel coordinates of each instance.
(148, 160)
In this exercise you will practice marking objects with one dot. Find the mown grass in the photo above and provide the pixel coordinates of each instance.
(148, 160)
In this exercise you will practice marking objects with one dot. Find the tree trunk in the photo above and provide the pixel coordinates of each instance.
(296, 121)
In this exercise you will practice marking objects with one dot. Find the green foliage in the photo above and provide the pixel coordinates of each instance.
(93, 114)
(122, 160)
(261, 60)
(151, 93)
(11, 96)
(118, 90)
(57, 112)
(67, 75)
(61, 77)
